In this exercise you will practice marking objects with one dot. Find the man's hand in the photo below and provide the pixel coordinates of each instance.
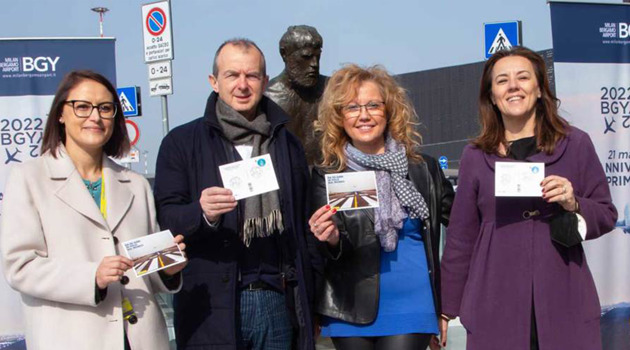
(216, 201)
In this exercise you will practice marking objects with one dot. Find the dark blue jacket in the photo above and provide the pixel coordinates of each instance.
(188, 162)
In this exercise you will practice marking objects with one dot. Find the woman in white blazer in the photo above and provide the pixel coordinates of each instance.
(65, 215)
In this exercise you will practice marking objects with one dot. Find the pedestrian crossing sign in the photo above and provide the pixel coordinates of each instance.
(130, 101)
(501, 36)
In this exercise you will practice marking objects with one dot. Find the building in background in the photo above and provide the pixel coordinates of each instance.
(446, 102)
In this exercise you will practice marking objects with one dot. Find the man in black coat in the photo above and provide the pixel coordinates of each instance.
(249, 283)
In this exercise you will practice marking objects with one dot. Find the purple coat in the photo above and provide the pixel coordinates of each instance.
(496, 262)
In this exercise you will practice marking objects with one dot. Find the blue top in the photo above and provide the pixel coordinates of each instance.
(95, 190)
(406, 301)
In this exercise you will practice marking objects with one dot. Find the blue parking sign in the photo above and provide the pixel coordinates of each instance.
(501, 36)
(130, 100)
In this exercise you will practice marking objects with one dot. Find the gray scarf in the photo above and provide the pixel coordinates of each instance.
(394, 190)
(262, 213)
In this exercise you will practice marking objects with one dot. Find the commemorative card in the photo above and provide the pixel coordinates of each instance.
(153, 252)
(518, 179)
(352, 190)
(249, 177)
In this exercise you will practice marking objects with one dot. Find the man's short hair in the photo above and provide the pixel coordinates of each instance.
(298, 36)
(244, 44)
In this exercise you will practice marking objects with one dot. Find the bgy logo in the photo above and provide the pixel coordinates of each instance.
(624, 30)
(40, 64)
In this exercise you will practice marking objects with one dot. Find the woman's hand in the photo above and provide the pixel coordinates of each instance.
(111, 269)
(557, 189)
(323, 227)
(434, 344)
(439, 343)
(179, 240)
(317, 327)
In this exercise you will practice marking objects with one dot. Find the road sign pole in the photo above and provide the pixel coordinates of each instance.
(164, 115)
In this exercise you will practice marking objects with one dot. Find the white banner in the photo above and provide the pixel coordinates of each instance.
(592, 71)
(584, 90)
(22, 121)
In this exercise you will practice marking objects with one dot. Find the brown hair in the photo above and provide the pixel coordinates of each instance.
(341, 88)
(55, 133)
(550, 127)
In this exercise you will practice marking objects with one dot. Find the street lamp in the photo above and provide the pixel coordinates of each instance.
(100, 11)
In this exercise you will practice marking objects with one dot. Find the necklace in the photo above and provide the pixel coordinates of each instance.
(93, 186)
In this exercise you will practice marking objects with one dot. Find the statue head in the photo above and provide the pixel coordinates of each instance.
(300, 48)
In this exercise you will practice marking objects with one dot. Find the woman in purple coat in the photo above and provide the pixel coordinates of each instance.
(514, 270)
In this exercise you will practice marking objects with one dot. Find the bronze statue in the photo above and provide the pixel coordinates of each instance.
(300, 86)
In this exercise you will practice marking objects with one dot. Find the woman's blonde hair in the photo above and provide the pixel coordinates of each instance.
(341, 89)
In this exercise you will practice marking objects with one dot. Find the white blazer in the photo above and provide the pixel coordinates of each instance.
(53, 238)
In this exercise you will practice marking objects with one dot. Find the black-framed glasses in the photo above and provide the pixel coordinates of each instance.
(83, 109)
(373, 108)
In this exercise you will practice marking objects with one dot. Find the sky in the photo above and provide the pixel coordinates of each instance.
(404, 36)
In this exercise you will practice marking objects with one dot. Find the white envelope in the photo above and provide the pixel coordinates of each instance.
(153, 252)
(249, 177)
(518, 179)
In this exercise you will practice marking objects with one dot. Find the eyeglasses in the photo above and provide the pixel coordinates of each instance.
(83, 109)
(373, 108)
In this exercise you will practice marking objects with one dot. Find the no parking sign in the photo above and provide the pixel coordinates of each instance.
(155, 21)
(133, 132)
(157, 31)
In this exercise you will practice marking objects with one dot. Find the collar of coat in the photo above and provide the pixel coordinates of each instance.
(275, 114)
(72, 192)
(540, 157)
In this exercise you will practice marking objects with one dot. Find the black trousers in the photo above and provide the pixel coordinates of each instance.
(414, 341)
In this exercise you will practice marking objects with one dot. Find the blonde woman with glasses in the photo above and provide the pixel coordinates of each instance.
(381, 282)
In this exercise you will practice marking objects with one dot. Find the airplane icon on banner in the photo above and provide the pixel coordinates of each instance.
(11, 157)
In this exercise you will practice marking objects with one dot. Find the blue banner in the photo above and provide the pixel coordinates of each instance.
(36, 66)
(595, 33)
